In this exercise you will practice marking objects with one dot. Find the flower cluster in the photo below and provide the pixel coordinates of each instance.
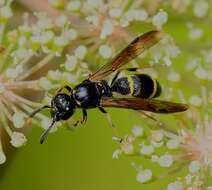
(183, 145)
(83, 34)
(24, 51)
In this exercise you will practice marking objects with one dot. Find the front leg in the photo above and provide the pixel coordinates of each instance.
(66, 87)
(84, 116)
(83, 120)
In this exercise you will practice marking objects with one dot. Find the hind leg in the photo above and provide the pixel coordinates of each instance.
(117, 136)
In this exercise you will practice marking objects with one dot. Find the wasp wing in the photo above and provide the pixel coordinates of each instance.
(136, 47)
(151, 105)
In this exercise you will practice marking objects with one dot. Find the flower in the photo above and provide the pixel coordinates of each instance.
(28, 41)
(17, 139)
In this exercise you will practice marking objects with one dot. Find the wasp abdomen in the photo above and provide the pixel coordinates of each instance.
(121, 86)
(145, 87)
(140, 85)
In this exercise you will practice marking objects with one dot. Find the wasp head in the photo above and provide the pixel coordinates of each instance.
(63, 107)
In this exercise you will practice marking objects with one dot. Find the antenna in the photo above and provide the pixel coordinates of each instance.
(45, 134)
(38, 110)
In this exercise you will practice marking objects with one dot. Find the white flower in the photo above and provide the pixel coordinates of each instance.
(54, 75)
(140, 15)
(147, 149)
(93, 20)
(157, 135)
(124, 22)
(107, 29)
(167, 60)
(73, 6)
(174, 76)
(80, 52)
(195, 100)
(201, 73)
(144, 176)
(95, 3)
(195, 33)
(60, 41)
(11, 73)
(18, 139)
(165, 160)
(2, 88)
(55, 3)
(200, 8)
(105, 51)
(2, 157)
(61, 21)
(70, 34)
(160, 19)
(137, 131)
(115, 12)
(155, 158)
(127, 148)
(192, 63)
(188, 179)
(45, 37)
(44, 22)
(22, 40)
(194, 166)
(18, 119)
(6, 12)
(172, 144)
(177, 185)
(71, 62)
(116, 154)
(44, 83)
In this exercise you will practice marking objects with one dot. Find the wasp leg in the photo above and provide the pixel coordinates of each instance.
(76, 123)
(108, 116)
(66, 87)
(82, 121)
(132, 69)
(117, 136)
(84, 116)
(114, 78)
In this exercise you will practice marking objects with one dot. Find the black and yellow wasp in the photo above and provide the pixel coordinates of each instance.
(137, 90)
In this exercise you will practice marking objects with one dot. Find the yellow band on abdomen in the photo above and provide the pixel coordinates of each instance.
(131, 84)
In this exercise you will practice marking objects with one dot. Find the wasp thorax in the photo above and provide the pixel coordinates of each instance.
(62, 107)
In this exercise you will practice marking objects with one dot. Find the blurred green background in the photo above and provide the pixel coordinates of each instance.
(82, 159)
(75, 160)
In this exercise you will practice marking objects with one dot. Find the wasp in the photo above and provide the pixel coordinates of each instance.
(137, 91)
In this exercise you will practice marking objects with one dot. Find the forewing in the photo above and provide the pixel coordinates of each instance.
(151, 105)
(136, 47)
